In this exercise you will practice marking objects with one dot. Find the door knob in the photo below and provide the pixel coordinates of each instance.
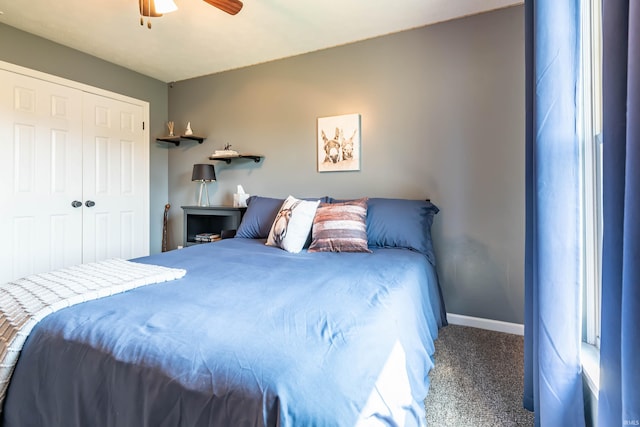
(76, 204)
(90, 203)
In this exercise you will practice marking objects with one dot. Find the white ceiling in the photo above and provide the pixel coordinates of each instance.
(199, 39)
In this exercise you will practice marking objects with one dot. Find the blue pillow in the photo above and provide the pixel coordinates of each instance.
(260, 214)
(401, 223)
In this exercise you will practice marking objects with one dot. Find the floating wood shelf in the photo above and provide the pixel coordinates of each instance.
(228, 159)
(177, 139)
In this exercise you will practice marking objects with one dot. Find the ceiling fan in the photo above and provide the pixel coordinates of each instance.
(155, 8)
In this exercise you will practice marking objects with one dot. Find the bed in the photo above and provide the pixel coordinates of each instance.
(252, 335)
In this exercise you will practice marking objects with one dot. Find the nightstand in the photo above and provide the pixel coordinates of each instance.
(223, 220)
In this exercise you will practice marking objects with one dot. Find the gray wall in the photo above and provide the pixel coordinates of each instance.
(34, 52)
(442, 117)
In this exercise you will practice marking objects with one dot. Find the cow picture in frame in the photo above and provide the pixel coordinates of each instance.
(338, 142)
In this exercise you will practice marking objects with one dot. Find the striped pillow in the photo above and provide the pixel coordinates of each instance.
(340, 227)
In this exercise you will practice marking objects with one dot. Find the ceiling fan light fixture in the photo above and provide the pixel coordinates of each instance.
(165, 6)
(148, 8)
(155, 8)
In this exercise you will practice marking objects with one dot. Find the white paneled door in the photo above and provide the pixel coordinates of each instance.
(73, 177)
(41, 170)
(115, 186)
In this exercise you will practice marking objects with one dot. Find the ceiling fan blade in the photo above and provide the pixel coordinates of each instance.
(230, 6)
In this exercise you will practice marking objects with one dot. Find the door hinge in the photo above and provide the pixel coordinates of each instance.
(142, 125)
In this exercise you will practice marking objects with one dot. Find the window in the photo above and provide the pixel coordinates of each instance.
(590, 128)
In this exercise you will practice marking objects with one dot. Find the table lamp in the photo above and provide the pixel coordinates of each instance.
(203, 173)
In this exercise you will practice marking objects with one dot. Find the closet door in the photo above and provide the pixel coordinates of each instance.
(116, 180)
(41, 175)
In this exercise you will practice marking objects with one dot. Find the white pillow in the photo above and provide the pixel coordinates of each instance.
(292, 225)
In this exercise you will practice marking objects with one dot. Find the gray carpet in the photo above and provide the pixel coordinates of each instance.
(477, 380)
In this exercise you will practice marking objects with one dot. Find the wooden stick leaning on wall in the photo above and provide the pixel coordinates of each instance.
(164, 227)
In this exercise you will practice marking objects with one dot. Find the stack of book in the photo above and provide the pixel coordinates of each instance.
(207, 237)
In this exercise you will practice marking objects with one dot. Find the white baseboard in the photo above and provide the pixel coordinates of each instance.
(492, 325)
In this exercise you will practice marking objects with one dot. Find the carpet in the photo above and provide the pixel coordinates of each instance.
(477, 379)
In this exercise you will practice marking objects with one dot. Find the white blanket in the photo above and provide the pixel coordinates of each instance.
(24, 302)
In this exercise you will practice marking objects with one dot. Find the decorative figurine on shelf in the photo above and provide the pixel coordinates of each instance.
(188, 131)
(170, 126)
(227, 146)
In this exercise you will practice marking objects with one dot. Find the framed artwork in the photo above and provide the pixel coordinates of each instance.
(339, 143)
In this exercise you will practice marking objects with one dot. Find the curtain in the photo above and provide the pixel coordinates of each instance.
(553, 379)
(619, 400)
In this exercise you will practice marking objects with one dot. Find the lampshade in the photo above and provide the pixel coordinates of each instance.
(203, 172)
(155, 8)
(165, 6)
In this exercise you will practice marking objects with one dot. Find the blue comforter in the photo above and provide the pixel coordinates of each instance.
(251, 336)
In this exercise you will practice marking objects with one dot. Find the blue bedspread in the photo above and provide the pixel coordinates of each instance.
(251, 336)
